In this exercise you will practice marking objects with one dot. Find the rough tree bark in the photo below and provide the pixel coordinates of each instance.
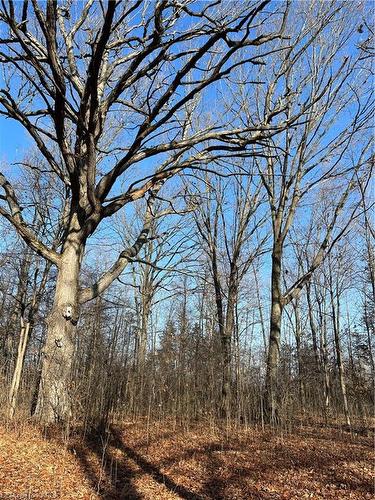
(54, 401)
(271, 396)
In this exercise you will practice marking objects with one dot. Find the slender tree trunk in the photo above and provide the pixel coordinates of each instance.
(313, 328)
(260, 308)
(18, 311)
(298, 334)
(25, 333)
(324, 358)
(13, 393)
(340, 364)
(369, 329)
(141, 349)
(225, 339)
(142, 333)
(226, 344)
(353, 370)
(271, 403)
(54, 398)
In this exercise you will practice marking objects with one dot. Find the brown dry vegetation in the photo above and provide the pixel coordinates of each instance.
(162, 462)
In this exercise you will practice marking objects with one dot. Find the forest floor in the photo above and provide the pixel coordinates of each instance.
(136, 461)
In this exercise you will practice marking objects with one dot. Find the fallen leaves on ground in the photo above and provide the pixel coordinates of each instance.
(34, 468)
(161, 461)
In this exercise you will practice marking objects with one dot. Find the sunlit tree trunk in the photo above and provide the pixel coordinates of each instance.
(335, 305)
(313, 328)
(298, 335)
(16, 315)
(54, 399)
(13, 393)
(369, 330)
(271, 403)
(324, 353)
(226, 343)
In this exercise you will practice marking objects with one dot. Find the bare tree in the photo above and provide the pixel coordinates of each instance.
(336, 287)
(100, 90)
(153, 273)
(34, 271)
(27, 319)
(323, 146)
(250, 118)
(229, 225)
(368, 273)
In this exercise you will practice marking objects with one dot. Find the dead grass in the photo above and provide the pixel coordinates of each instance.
(136, 462)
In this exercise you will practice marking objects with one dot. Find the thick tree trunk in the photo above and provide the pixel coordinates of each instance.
(54, 398)
(270, 400)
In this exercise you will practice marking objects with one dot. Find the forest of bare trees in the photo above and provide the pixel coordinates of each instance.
(186, 211)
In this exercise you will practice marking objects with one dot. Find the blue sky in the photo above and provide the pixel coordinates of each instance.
(15, 144)
(14, 140)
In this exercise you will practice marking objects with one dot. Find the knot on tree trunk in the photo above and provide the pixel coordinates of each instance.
(70, 313)
(67, 312)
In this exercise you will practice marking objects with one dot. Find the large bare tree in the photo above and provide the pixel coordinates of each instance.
(110, 93)
(330, 145)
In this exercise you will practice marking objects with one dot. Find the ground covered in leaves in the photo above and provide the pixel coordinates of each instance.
(160, 461)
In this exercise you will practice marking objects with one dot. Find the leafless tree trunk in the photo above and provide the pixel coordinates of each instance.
(313, 327)
(54, 395)
(218, 239)
(298, 336)
(27, 322)
(335, 308)
(292, 169)
(275, 334)
(324, 351)
(75, 105)
(13, 393)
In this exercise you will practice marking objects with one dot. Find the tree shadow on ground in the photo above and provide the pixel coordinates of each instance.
(104, 481)
(149, 468)
(114, 479)
(260, 461)
(266, 465)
